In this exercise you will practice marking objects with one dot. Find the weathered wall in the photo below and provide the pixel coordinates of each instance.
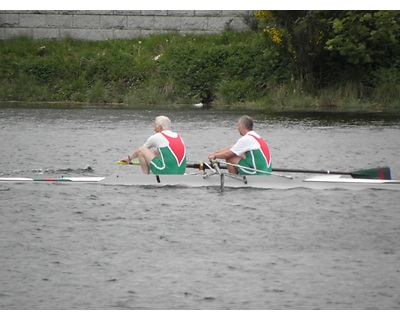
(102, 25)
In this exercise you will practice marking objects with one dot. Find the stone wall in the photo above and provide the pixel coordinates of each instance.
(103, 25)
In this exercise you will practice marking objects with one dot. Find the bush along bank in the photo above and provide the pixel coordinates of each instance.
(232, 69)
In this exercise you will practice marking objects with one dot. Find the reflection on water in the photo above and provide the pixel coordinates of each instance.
(323, 117)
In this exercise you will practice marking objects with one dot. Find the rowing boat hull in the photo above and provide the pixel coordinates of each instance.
(198, 180)
(261, 182)
(62, 179)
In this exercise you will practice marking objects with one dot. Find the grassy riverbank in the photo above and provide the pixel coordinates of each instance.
(232, 69)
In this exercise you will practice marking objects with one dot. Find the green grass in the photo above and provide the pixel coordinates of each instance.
(232, 69)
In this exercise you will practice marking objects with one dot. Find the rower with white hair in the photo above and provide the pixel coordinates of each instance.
(163, 153)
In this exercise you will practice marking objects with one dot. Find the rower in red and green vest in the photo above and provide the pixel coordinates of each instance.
(250, 155)
(163, 153)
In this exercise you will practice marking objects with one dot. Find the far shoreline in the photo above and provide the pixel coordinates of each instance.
(230, 108)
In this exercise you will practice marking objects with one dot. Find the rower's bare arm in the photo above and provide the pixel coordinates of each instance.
(131, 156)
(225, 153)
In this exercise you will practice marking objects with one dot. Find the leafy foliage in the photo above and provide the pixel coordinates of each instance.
(331, 47)
(199, 71)
(364, 37)
(290, 58)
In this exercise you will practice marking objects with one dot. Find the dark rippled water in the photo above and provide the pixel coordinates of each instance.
(87, 246)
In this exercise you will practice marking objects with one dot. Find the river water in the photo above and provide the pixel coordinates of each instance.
(88, 246)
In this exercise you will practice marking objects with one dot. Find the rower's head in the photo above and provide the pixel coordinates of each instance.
(245, 124)
(162, 123)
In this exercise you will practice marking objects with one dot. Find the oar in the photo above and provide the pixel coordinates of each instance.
(135, 163)
(382, 173)
(372, 173)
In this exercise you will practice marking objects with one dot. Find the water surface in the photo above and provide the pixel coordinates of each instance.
(87, 246)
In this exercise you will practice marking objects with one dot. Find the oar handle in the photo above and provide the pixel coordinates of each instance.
(135, 163)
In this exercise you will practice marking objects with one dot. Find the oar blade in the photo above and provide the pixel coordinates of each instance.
(382, 173)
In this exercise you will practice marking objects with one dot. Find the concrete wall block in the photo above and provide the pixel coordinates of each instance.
(238, 24)
(235, 13)
(101, 12)
(86, 21)
(181, 13)
(221, 24)
(9, 20)
(51, 12)
(32, 20)
(217, 24)
(141, 23)
(208, 13)
(114, 22)
(81, 12)
(59, 21)
(72, 12)
(33, 11)
(17, 32)
(194, 23)
(127, 12)
(167, 23)
(154, 12)
(45, 33)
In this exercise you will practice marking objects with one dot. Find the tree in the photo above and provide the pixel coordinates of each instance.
(302, 34)
(366, 37)
(323, 44)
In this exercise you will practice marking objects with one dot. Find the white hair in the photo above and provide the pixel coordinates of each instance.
(164, 122)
